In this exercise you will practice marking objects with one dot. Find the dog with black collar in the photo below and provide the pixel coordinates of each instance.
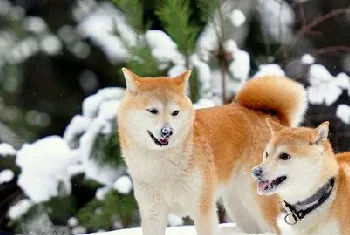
(299, 165)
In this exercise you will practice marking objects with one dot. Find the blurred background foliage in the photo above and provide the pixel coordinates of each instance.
(56, 53)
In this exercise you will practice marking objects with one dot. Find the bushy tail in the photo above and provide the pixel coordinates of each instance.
(281, 96)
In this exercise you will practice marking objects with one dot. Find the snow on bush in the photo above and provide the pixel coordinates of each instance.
(7, 150)
(343, 113)
(123, 185)
(20, 208)
(101, 192)
(100, 26)
(174, 220)
(269, 69)
(325, 89)
(307, 59)
(6, 176)
(44, 165)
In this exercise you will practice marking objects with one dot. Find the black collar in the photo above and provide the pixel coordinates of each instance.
(300, 209)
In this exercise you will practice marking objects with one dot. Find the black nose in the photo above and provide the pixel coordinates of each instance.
(166, 131)
(257, 171)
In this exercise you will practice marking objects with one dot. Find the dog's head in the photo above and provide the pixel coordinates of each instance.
(293, 160)
(156, 113)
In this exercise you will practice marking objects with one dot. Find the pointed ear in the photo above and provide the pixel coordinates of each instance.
(131, 80)
(274, 126)
(320, 134)
(182, 79)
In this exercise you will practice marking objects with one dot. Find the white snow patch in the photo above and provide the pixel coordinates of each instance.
(308, 59)
(91, 104)
(72, 222)
(103, 174)
(176, 70)
(123, 185)
(343, 113)
(78, 125)
(101, 192)
(100, 26)
(19, 209)
(44, 165)
(6, 176)
(343, 81)
(174, 220)
(324, 88)
(237, 17)
(225, 229)
(204, 73)
(34, 24)
(240, 66)
(51, 44)
(7, 150)
(204, 103)
(278, 18)
(78, 230)
(269, 69)
(163, 48)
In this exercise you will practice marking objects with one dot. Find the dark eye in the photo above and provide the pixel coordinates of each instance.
(153, 110)
(176, 112)
(266, 154)
(284, 156)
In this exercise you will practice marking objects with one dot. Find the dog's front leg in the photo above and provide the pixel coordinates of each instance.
(153, 209)
(206, 219)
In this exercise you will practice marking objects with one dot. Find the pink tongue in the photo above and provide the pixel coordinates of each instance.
(263, 185)
(163, 141)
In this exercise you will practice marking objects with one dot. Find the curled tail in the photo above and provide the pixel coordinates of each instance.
(281, 96)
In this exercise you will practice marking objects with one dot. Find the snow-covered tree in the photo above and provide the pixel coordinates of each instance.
(79, 179)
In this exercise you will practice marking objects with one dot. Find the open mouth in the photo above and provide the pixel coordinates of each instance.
(266, 186)
(160, 142)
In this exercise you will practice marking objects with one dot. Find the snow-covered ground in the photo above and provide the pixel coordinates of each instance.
(225, 229)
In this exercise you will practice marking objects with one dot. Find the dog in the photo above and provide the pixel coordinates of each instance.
(299, 165)
(182, 161)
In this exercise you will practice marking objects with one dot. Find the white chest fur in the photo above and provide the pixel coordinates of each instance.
(327, 228)
(168, 173)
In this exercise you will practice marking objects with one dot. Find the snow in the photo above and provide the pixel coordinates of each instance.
(225, 229)
(123, 185)
(51, 44)
(325, 89)
(163, 47)
(101, 193)
(78, 125)
(343, 81)
(34, 24)
(7, 150)
(240, 66)
(6, 176)
(78, 230)
(174, 220)
(269, 69)
(72, 222)
(343, 113)
(44, 165)
(105, 174)
(100, 25)
(91, 104)
(97, 121)
(20, 208)
(204, 73)
(307, 59)
(278, 18)
(237, 17)
(204, 103)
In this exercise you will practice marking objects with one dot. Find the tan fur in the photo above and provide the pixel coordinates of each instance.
(301, 143)
(222, 142)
